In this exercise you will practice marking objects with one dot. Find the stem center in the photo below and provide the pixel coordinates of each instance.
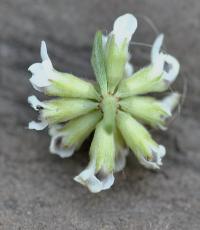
(109, 107)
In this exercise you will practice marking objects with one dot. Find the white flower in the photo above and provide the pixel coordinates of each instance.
(104, 41)
(155, 77)
(56, 146)
(170, 102)
(37, 125)
(124, 28)
(67, 138)
(160, 61)
(156, 161)
(37, 105)
(129, 69)
(115, 48)
(89, 179)
(117, 107)
(42, 72)
(98, 175)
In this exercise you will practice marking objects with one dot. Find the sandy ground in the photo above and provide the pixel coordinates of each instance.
(36, 189)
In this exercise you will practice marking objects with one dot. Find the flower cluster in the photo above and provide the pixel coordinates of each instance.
(116, 108)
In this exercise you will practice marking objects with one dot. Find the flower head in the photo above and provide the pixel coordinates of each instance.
(116, 109)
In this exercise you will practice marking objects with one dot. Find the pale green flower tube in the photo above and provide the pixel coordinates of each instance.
(67, 85)
(116, 49)
(121, 151)
(148, 152)
(68, 138)
(60, 110)
(153, 78)
(149, 110)
(46, 79)
(102, 162)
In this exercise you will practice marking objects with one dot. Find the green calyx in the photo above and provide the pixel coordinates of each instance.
(61, 110)
(146, 109)
(142, 82)
(108, 62)
(103, 149)
(78, 129)
(115, 59)
(136, 136)
(68, 85)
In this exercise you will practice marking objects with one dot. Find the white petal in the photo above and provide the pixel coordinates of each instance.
(162, 127)
(148, 164)
(54, 129)
(39, 81)
(155, 52)
(35, 103)
(42, 72)
(104, 41)
(43, 51)
(120, 161)
(159, 60)
(129, 69)
(37, 125)
(157, 154)
(124, 27)
(108, 181)
(174, 68)
(157, 57)
(34, 68)
(87, 178)
(170, 102)
(54, 148)
(63, 152)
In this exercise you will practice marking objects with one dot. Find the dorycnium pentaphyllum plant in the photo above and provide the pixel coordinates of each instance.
(116, 108)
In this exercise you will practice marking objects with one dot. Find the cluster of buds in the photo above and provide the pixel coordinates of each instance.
(116, 108)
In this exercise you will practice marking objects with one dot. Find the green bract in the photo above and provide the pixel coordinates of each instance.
(116, 108)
